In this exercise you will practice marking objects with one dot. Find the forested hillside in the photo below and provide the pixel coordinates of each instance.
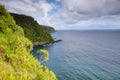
(32, 29)
(16, 62)
(48, 28)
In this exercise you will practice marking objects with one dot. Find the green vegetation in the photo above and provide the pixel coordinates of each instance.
(16, 62)
(48, 28)
(45, 54)
(32, 29)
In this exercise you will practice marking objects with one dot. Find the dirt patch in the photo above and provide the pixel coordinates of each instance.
(1, 52)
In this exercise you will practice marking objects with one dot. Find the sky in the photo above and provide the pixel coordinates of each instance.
(69, 14)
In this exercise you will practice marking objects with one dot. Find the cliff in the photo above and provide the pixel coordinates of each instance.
(48, 28)
(32, 30)
(16, 62)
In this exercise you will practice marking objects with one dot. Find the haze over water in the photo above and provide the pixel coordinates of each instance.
(85, 55)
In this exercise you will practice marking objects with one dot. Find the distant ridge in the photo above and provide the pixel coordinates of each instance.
(48, 28)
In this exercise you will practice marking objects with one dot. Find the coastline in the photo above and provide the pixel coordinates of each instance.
(45, 43)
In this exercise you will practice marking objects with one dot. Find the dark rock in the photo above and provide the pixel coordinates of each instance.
(46, 43)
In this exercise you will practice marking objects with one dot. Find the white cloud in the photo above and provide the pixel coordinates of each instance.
(70, 12)
(38, 9)
(80, 12)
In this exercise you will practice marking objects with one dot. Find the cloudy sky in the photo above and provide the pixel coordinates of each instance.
(69, 14)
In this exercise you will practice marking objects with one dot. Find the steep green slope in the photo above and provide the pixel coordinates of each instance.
(48, 28)
(16, 62)
(32, 29)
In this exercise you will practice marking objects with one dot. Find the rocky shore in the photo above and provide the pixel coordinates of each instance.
(46, 43)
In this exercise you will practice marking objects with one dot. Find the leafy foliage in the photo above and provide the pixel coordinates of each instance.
(44, 53)
(32, 29)
(16, 62)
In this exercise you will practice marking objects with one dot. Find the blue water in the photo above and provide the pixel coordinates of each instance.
(85, 55)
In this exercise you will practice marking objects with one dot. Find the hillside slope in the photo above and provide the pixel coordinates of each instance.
(48, 28)
(16, 62)
(32, 29)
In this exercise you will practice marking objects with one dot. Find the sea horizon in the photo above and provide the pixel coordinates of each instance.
(87, 29)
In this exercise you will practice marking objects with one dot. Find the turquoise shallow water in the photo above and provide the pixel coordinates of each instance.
(84, 55)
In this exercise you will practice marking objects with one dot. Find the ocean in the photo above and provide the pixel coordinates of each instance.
(84, 55)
